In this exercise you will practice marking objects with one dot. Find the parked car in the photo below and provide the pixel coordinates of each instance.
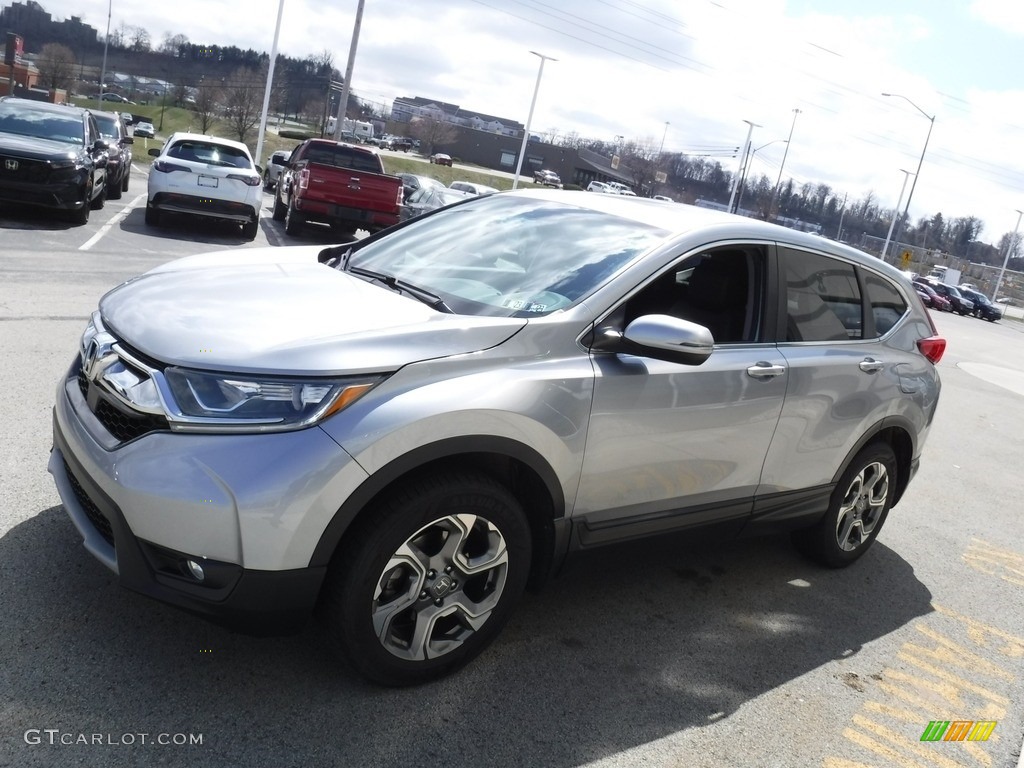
(473, 188)
(276, 163)
(52, 156)
(932, 299)
(440, 158)
(400, 144)
(115, 97)
(342, 185)
(407, 429)
(119, 152)
(205, 176)
(983, 308)
(620, 189)
(961, 304)
(663, 198)
(597, 186)
(411, 182)
(547, 178)
(429, 199)
(145, 130)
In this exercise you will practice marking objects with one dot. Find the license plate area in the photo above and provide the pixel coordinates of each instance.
(208, 181)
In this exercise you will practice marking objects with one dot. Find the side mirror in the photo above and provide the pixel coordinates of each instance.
(101, 144)
(154, 152)
(662, 337)
(128, 140)
(259, 170)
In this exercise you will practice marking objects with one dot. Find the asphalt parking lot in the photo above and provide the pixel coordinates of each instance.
(656, 653)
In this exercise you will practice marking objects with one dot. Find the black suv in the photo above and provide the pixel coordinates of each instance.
(51, 155)
(961, 304)
(119, 154)
(983, 308)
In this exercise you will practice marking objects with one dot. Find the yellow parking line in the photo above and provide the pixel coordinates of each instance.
(977, 631)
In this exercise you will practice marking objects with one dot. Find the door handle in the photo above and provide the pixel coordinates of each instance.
(764, 370)
(870, 365)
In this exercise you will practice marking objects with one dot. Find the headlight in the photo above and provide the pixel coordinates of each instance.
(216, 402)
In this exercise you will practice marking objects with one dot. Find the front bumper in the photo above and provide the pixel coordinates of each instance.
(249, 509)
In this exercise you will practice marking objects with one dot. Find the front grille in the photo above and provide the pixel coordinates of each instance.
(127, 426)
(32, 171)
(97, 518)
(121, 424)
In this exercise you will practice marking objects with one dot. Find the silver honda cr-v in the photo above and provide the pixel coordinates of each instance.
(407, 430)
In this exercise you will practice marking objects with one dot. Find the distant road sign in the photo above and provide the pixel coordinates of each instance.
(905, 258)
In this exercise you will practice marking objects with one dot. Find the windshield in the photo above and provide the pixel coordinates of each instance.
(107, 126)
(509, 256)
(41, 124)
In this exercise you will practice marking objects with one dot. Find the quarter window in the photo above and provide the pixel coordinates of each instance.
(823, 301)
(887, 304)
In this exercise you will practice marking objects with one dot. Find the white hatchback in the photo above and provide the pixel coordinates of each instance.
(207, 176)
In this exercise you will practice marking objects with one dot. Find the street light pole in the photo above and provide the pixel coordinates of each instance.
(106, 43)
(529, 117)
(270, 82)
(743, 163)
(896, 212)
(1006, 258)
(917, 175)
(746, 169)
(778, 182)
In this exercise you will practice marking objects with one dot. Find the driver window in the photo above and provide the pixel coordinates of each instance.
(719, 288)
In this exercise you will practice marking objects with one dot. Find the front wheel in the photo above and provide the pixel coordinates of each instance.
(428, 578)
(293, 220)
(856, 511)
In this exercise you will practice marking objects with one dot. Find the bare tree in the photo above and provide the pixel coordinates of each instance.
(56, 65)
(243, 100)
(138, 39)
(643, 162)
(208, 100)
(432, 132)
(171, 44)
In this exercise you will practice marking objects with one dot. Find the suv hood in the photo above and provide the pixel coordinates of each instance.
(39, 149)
(277, 310)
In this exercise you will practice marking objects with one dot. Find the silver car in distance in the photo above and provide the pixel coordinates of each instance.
(408, 430)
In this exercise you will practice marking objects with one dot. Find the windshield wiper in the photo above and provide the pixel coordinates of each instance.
(430, 299)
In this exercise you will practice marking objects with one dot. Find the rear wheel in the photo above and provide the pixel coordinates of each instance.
(250, 228)
(429, 578)
(856, 511)
(152, 216)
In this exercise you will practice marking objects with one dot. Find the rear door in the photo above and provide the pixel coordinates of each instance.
(843, 379)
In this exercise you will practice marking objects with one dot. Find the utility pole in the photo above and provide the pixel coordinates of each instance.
(782, 165)
(346, 86)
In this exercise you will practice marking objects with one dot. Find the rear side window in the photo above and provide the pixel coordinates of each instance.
(887, 303)
(823, 300)
(342, 157)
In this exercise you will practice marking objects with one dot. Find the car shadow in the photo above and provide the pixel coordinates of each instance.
(632, 643)
(34, 217)
(175, 226)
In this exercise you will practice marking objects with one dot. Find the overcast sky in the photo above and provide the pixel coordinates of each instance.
(626, 67)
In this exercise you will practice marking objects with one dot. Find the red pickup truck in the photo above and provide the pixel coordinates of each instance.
(337, 184)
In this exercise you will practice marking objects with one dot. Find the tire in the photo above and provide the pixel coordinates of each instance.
(80, 217)
(101, 199)
(127, 178)
(429, 577)
(856, 512)
(279, 209)
(250, 228)
(114, 192)
(293, 220)
(152, 216)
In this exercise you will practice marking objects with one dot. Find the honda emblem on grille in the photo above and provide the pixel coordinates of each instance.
(96, 354)
(11, 165)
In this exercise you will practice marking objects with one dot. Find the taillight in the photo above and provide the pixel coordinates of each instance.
(252, 181)
(304, 178)
(401, 195)
(933, 347)
(166, 167)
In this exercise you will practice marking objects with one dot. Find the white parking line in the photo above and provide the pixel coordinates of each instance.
(115, 219)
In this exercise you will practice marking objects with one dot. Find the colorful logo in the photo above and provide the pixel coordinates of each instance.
(958, 730)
